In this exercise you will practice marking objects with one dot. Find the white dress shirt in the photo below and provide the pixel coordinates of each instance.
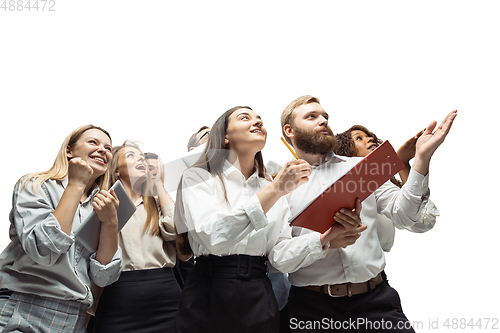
(42, 259)
(387, 231)
(239, 226)
(365, 259)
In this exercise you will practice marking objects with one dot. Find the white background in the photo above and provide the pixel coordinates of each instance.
(156, 71)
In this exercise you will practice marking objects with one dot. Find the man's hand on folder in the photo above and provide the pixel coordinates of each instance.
(347, 230)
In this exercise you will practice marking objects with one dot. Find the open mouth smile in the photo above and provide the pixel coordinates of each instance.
(141, 167)
(99, 159)
(257, 131)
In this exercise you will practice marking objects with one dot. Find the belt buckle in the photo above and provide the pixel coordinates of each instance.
(349, 290)
(239, 274)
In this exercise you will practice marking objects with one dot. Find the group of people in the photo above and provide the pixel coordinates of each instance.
(228, 226)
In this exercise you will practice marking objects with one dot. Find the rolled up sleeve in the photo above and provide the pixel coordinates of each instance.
(38, 229)
(104, 275)
(167, 228)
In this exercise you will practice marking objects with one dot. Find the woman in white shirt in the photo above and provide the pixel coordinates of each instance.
(45, 273)
(146, 297)
(359, 141)
(233, 217)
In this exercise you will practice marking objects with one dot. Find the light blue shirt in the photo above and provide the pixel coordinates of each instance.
(43, 260)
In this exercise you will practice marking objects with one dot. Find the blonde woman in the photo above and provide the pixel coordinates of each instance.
(146, 297)
(45, 274)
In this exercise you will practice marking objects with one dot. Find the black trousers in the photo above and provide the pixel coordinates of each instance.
(228, 294)
(143, 301)
(376, 311)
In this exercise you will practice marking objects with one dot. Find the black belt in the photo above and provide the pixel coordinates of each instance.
(241, 266)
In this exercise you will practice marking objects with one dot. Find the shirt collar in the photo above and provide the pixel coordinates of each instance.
(231, 170)
(139, 201)
(330, 158)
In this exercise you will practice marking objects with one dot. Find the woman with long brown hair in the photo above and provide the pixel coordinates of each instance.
(146, 297)
(230, 216)
(45, 274)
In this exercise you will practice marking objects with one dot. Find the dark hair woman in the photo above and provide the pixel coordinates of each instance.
(230, 216)
(359, 141)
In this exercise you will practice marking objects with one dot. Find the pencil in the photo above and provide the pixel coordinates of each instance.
(289, 148)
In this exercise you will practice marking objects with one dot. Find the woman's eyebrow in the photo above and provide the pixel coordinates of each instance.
(248, 114)
(98, 141)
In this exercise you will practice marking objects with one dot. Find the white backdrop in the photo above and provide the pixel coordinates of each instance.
(156, 71)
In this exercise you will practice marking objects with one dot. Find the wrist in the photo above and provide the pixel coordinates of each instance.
(323, 240)
(110, 224)
(76, 186)
(421, 165)
(274, 189)
(160, 190)
(268, 197)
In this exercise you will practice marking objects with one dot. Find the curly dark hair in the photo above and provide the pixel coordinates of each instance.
(346, 146)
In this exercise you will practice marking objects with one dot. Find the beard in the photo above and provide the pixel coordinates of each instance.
(314, 143)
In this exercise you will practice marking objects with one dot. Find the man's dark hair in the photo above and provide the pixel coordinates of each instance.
(150, 156)
(192, 139)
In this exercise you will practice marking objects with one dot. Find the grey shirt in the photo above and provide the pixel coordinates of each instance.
(43, 260)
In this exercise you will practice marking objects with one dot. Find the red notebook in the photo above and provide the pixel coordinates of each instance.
(362, 180)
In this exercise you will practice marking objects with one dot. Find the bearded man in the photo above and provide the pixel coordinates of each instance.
(347, 289)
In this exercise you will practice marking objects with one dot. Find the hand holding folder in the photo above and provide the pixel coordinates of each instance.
(359, 182)
(88, 232)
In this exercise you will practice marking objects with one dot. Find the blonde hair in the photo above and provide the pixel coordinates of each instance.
(59, 169)
(152, 223)
(287, 114)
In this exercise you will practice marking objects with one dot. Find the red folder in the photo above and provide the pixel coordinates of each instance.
(362, 180)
